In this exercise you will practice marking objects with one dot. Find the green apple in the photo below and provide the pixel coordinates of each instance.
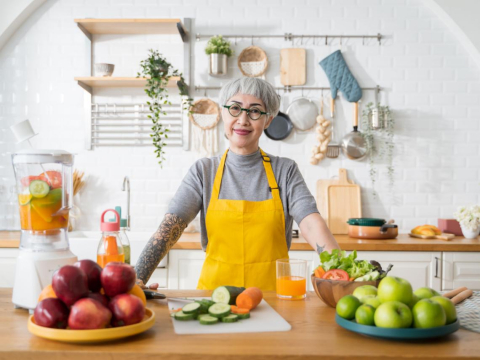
(415, 299)
(372, 300)
(425, 293)
(448, 306)
(428, 314)
(365, 315)
(393, 315)
(365, 290)
(395, 289)
(347, 306)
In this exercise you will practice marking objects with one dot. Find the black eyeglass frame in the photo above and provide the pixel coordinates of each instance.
(246, 110)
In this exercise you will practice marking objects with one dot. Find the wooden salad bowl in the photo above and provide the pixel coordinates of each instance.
(330, 291)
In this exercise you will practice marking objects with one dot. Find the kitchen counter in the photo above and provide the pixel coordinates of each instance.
(191, 241)
(314, 335)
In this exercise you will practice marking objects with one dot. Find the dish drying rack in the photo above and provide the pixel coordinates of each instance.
(128, 124)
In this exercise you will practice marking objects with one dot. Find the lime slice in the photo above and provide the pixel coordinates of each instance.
(39, 188)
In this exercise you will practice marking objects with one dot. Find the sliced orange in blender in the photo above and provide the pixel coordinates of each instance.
(24, 199)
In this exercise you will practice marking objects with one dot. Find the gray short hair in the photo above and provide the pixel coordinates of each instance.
(259, 88)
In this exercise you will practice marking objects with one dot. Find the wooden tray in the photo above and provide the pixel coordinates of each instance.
(92, 336)
(397, 334)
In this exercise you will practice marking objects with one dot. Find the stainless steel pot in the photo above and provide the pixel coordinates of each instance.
(218, 64)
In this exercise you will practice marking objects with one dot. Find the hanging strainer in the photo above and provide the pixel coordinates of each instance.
(303, 112)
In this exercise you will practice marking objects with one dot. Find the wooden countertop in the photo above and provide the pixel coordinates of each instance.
(191, 241)
(314, 335)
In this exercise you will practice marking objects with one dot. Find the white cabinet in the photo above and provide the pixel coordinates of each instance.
(8, 263)
(185, 266)
(461, 269)
(421, 269)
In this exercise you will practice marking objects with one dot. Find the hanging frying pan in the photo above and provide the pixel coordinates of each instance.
(280, 127)
(353, 144)
(303, 113)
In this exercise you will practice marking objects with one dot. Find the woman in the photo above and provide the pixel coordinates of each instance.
(248, 200)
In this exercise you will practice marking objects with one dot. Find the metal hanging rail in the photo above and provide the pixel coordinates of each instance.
(377, 88)
(291, 37)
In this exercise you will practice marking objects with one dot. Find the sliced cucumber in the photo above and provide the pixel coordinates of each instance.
(207, 320)
(226, 294)
(204, 305)
(184, 317)
(230, 318)
(219, 310)
(243, 316)
(191, 308)
(39, 188)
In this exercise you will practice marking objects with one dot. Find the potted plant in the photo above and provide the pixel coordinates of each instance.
(469, 219)
(379, 141)
(219, 50)
(158, 71)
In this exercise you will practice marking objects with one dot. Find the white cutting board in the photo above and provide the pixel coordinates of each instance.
(262, 319)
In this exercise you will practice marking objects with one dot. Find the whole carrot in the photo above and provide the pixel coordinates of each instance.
(249, 298)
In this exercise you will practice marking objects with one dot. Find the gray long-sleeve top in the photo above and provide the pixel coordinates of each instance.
(244, 178)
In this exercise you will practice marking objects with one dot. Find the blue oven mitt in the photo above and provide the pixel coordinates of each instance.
(340, 77)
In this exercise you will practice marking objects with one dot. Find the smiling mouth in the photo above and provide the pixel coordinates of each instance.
(241, 132)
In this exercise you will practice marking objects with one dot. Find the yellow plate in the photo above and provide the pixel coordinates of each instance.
(91, 336)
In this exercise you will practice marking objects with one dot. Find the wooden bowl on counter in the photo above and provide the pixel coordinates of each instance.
(330, 291)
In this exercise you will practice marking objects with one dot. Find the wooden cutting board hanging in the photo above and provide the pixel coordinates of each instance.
(293, 67)
(344, 202)
(322, 195)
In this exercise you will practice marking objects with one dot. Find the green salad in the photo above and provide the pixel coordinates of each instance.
(337, 265)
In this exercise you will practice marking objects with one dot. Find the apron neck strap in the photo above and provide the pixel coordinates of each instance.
(267, 164)
(272, 183)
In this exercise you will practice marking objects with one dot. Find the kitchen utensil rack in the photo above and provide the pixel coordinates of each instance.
(128, 124)
(377, 88)
(291, 37)
(111, 127)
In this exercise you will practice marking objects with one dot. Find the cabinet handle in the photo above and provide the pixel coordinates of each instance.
(436, 266)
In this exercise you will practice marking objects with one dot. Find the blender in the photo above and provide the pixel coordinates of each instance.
(45, 191)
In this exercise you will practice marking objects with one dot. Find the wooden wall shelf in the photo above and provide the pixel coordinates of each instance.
(131, 26)
(89, 82)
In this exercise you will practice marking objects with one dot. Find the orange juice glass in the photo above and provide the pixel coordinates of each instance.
(291, 279)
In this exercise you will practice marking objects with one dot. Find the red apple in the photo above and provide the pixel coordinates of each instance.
(89, 314)
(117, 278)
(52, 313)
(70, 284)
(127, 309)
(92, 270)
(102, 299)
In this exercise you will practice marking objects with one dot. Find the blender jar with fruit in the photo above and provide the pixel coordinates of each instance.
(45, 192)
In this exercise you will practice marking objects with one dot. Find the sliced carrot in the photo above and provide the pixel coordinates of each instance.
(319, 271)
(249, 298)
(351, 279)
(175, 310)
(237, 310)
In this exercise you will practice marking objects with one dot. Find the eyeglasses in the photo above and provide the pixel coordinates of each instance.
(253, 113)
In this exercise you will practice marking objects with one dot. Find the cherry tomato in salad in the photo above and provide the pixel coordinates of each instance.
(336, 274)
(53, 178)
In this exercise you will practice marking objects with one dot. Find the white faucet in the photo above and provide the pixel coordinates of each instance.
(126, 180)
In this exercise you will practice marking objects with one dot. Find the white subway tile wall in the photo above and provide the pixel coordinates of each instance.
(429, 81)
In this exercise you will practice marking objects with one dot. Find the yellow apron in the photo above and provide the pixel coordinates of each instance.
(245, 238)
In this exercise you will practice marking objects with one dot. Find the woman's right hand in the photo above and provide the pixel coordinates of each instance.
(153, 286)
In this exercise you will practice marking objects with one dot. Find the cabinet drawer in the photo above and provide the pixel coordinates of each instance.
(461, 269)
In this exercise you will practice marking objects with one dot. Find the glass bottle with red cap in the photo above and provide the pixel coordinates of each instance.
(110, 247)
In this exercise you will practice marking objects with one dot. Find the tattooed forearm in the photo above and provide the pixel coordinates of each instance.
(158, 246)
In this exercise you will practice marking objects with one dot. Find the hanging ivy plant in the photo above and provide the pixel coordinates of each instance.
(158, 71)
(380, 145)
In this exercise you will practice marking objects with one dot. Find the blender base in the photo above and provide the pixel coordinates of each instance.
(34, 271)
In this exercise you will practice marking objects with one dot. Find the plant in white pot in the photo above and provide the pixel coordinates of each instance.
(219, 50)
(469, 219)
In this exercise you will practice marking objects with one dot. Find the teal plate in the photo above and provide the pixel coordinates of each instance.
(398, 334)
